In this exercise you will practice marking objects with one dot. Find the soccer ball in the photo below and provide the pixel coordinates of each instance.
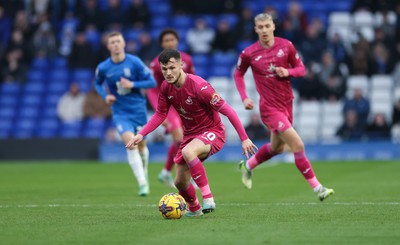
(172, 206)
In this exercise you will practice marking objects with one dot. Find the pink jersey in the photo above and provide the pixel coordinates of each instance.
(155, 67)
(275, 92)
(196, 102)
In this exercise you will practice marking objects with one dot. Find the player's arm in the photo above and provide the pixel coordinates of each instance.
(145, 78)
(297, 67)
(210, 97)
(241, 68)
(98, 85)
(156, 120)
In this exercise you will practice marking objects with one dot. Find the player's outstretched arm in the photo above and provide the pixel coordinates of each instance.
(134, 141)
(249, 148)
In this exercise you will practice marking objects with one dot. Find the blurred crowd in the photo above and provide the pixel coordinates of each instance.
(76, 30)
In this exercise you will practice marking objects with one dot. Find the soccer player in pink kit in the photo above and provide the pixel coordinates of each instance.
(274, 61)
(203, 132)
(169, 39)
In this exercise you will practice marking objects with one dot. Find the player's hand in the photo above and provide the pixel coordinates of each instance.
(281, 72)
(248, 104)
(110, 99)
(125, 83)
(249, 148)
(134, 141)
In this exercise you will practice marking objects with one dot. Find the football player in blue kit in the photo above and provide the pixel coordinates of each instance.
(126, 75)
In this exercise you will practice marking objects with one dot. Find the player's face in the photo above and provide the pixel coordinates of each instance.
(169, 41)
(265, 30)
(172, 70)
(116, 45)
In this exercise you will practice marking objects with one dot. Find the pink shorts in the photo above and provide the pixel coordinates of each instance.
(173, 120)
(278, 121)
(213, 137)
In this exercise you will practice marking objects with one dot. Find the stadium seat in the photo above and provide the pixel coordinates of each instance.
(132, 34)
(93, 133)
(34, 88)
(200, 60)
(6, 125)
(24, 128)
(159, 9)
(40, 64)
(71, 129)
(182, 22)
(159, 22)
(47, 128)
(82, 75)
(7, 113)
(381, 82)
(10, 101)
(59, 75)
(30, 112)
(31, 99)
(10, 88)
(225, 59)
(396, 95)
(341, 19)
(379, 18)
(382, 107)
(231, 19)
(59, 63)
(220, 71)
(36, 76)
(357, 81)
(58, 87)
(362, 19)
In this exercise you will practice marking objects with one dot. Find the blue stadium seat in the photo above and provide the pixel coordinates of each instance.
(40, 63)
(36, 76)
(47, 128)
(241, 45)
(201, 60)
(221, 71)
(58, 87)
(132, 34)
(232, 19)
(59, 63)
(227, 59)
(8, 101)
(28, 112)
(52, 99)
(183, 46)
(10, 88)
(97, 123)
(159, 22)
(58, 75)
(34, 88)
(210, 19)
(161, 8)
(50, 111)
(6, 126)
(71, 129)
(7, 113)
(82, 75)
(182, 22)
(31, 99)
(24, 128)
(203, 71)
(93, 133)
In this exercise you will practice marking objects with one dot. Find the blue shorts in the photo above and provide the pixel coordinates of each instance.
(125, 124)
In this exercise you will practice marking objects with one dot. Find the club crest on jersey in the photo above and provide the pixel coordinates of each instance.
(215, 98)
(127, 72)
(280, 53)
(189, 100)
(271, 67)
(182, 110)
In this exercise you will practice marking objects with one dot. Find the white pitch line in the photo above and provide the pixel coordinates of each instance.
(220, 204)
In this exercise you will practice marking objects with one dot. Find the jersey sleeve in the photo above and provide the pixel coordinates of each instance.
(98, 82)
(297, 67)
(163, 103)
(145, 79)
(210, 97)
(241, 68)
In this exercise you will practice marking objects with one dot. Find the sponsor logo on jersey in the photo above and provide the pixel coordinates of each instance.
(258, 58)
(170, 97)
(215, 98)
(205, 87)
(280, 53)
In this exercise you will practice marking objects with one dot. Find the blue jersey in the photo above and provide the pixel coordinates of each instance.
(130, 103)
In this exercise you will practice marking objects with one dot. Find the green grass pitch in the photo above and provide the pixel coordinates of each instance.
(91, 203)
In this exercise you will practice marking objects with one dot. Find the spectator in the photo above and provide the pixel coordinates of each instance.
(200, 37)
(148, 48)
(378, 128)
(350, 130)
(14, 69)
(328, 67)
(224, 39)
(138, 14)
(334, 89)
(360, 105)
(91, 15)
(396, 113)
(381, 60)
(245, 26)
(337, 48)
(115, 15)
(296, 17)
(44, 42)
(5, 29)
(313, 44)
(94, 106)
(310, 88)
(255, 130)
(70, 106)
(19, 43)
(360, 62)
(82, 54)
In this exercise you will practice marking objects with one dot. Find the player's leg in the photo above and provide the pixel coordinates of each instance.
(144, 154)
(263, 154)
(187, 190)
(173, 126)
(293, 140)
(192, 153)
(136, 163)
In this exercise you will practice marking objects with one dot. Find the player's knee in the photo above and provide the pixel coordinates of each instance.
(187, 154)
(298, 146)
(180, 184)
(278, 149)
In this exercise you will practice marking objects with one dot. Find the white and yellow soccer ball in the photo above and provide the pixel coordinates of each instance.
(172, 206)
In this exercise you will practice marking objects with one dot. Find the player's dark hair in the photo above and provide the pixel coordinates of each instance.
(167, 54)
(167, 31)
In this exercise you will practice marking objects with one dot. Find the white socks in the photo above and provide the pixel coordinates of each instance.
(136, 163)
(145, 160)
